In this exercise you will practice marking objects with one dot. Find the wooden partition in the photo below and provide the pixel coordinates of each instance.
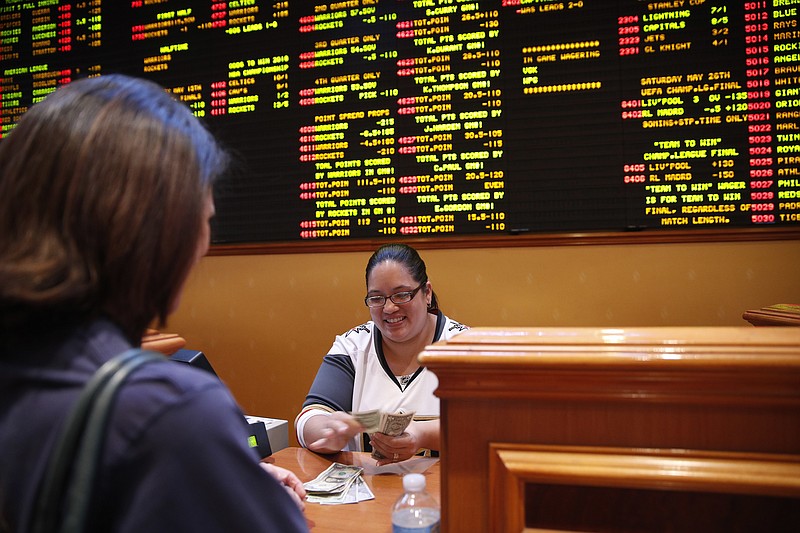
(641, 429)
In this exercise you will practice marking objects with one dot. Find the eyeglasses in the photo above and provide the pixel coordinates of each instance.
(396, 298)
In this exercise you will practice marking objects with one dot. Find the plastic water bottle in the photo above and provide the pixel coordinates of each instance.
(415, 511)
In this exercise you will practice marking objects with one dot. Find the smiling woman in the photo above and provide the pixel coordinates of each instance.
(374, 366)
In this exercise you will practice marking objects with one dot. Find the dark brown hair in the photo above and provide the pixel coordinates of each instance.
(406, 256)
(102, 191)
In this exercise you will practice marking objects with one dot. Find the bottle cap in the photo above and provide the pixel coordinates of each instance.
(413, 482)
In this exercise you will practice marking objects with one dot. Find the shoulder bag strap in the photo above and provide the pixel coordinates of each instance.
(78, 449)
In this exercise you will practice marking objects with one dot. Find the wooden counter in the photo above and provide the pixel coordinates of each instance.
(589, 429)
(373, 516)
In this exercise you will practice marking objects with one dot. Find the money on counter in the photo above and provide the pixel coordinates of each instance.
(358, 491)
(335, 478)
(338, 484)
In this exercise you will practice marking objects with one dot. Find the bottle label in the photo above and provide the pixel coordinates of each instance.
(416, 521)
(433, 528)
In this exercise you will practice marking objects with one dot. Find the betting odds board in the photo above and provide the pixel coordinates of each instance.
(433, 118)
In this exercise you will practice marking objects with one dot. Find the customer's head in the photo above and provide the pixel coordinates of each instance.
(105, 196)
(399, 294)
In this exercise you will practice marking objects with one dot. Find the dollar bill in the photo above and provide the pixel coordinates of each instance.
(371, 420)
(357, 491)
(377, 421)
(395, 424)
(336, 478)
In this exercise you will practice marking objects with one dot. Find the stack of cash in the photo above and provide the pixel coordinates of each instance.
(376, 421)
(338, 484)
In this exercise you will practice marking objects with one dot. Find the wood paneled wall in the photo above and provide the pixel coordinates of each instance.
(265, 321)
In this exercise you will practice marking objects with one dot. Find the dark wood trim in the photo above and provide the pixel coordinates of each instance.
(513, 467)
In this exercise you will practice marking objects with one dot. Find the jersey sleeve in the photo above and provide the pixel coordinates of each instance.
(333, 385)
(332, 389)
